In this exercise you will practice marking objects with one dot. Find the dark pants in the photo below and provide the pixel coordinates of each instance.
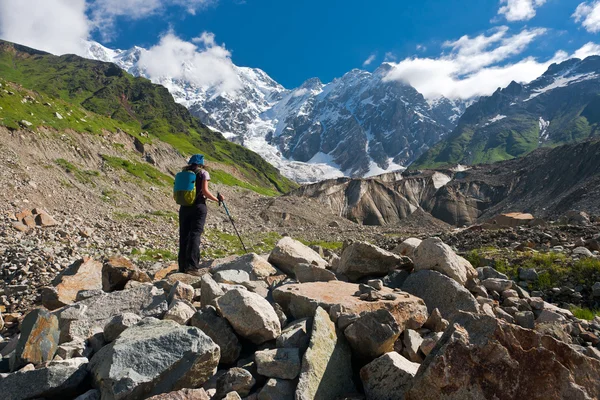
(191, 226)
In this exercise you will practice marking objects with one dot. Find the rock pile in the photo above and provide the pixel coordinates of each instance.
(375, 325)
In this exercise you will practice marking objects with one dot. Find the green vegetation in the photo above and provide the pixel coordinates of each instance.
(165, 214)
(585, 313)
(218, 176)
(324, 244)
(92, 96)
(224, 244)
(145, 172)
(83, 176)
(154, 254)
(123, 216)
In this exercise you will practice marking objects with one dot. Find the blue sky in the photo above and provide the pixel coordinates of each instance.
(293, 41)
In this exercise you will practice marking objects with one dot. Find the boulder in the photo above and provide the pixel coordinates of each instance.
(524, 365)
(180, 311)
(117, 271)
(436, 322)
(60, 380)
(312, 273)
(326, 366)
(489, 272)
(528, 274)
(499, 285)
(582, 252)
(219, 330)
(433, 254)
(250, 315)
(412, 342)
(181, 291)
(43, 219)
(175, 357)
(254, 265)
(118, 324)
(373, 334)
(395, 279)
(408, 247)
(525, 319)
(302, 300)
(232, 276)
(441, 292)
(277, 389)
(183, 394)
(361, 259)
(429, 342)
(278, 363)
(387, 377)
(296, 335)
(194, 281)
(235, 380)
(84, 274)
(210, 291)
(39, 339)
(289, 252)
(232, 396)
(161, 272)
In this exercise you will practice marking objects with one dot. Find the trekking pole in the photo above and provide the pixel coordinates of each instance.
(232, 223)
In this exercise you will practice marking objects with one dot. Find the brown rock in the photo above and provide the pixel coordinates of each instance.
(117, 271)
(22, 214)
(302, 300)
(481, 357)
(84, 274)
(29, 221)
(162, 273)
(192, 280)
(39, 339)
(183, 394)
(44, 219)
(21, 227)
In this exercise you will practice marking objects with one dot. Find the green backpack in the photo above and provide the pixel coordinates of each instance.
(184, 189)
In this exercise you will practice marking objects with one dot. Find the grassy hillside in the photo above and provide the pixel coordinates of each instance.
(89, 96)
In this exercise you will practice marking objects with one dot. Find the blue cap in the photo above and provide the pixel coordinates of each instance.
(197, 159)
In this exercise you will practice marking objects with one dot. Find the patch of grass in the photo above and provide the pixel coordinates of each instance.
(324, 244)
(109, 195)
(585, 313)
(83, 176)
(165, 214)
(145, 172)
(226, 244)
(123, 216)
(156, 254)
(222, 177)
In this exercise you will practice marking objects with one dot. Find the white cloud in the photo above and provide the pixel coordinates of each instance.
(389, 56)
(56, 26)
(589, 16)
(369, 60)
(519, 10)
(208, 65)
(420, 47)
(479, 65)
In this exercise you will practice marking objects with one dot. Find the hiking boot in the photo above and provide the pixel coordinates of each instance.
(197, 272)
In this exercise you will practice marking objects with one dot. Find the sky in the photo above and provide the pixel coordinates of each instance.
(455, 48)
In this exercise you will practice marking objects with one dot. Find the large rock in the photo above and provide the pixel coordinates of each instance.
(489, 358)
(373, 334)
(219, 330)
(312, 273)
(174, 357)
(83, 319)
(277, 389)
(441, 292)
(39, 339)
(296, 335)
(181, 291)
(253, 264)
(117, 271)
(210, 291)
(302, 300)
(408, 247)
(388, 377)
(180, 311)
(289, 252)
(118, 324)
(433, 254)
(59, 380)
(326, 367)
(361, 259)
(499, 285)
(250, 315)
(183, 394)
(278, 363)
(84, 274)
(235, 380)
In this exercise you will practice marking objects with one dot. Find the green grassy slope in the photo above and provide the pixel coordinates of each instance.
(90, 96)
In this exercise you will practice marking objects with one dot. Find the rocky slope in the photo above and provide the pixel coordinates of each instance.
(559, 107)
(357, 125)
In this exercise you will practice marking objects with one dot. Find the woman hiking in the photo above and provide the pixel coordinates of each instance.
(193, 217)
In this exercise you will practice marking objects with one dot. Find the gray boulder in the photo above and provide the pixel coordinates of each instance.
(408, 247)
(277, 389)
(279, 363)
(312, 273)
(232, 276)
(296, 335)
(373, 334)
(39, 339)
(412, 342)
(118, 324)
(219, 330)
(433, 254)
(181, 291)
(289, 252)
(254, 265)
(436, 322)
(388, 377)
(180, 311)
(175, 357)
(526, 319)
(234, 380)
(441, 292)
(489, 272)
(499, 285)
(361, 259)
(210, 291)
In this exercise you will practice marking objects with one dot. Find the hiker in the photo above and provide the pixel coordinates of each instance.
(191, 192)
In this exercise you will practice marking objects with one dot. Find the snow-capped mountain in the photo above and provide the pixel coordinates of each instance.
(356, 125)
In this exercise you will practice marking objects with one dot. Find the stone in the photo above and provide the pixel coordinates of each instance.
(436, 322)
(194, 281)
(21, 227)
(232, 396)
(220, 331)
(395, 279)
(231, 276)
(326, 366)
(408, 247)
(254, 265)
(92, 394)
(210, 291)
(39, 339)
(433, 254)
(525, 319)
(361, 259)
(296, 335)
(489, 272)
(45, 220)
(528, 274)
(289, 252)
(117, 271)
(235, 380)
(181, 291)
(387, 377)
(524, 365)
(180, 311)
(176, 357)
(59, 380)
(510, 294)
(336, 297)
(277, 389)
(29, 222)
(183, 394)
(441, 292)
(250, 315)
(412, 342)
(582, 252)
(84, 274)
(162, 272)
(429, 343)
(118, 324)
(375, 283)
(278, 363)
(373, 334)
(546, 316)
(312, 273)
(82, 319)
(499, 285)
(74, 349)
